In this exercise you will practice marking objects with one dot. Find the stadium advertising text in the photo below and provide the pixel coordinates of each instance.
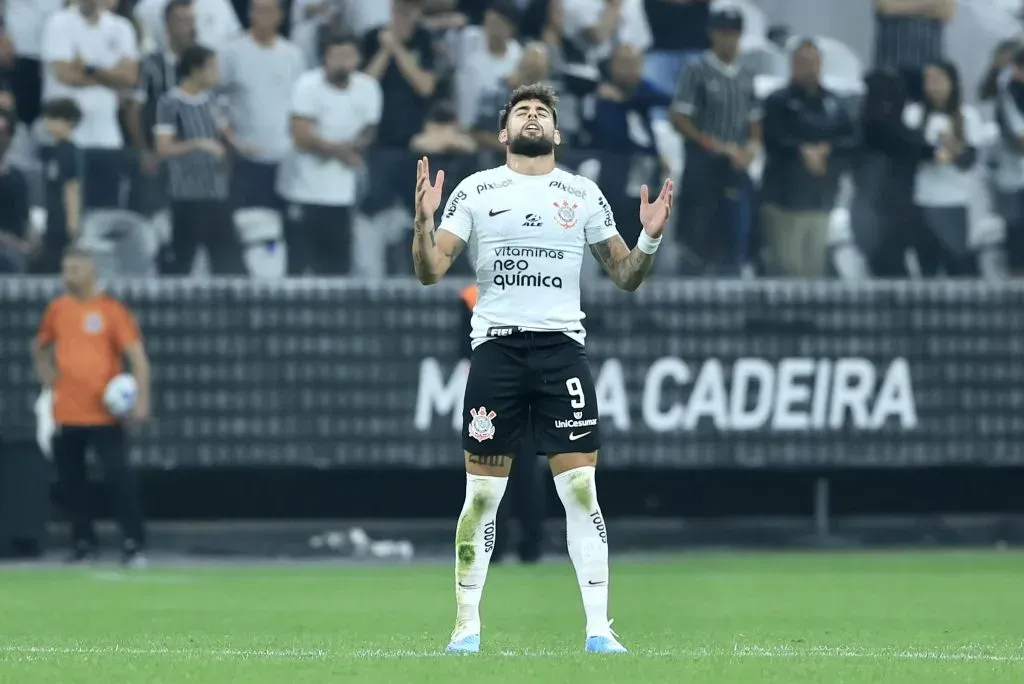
(788, 395)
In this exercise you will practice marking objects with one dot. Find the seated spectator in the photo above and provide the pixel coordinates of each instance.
(534, 67)
(442, 134)
(219, 22)
(21, 41)
(334, 115)
(884, 173)
(63, 196)
(258, 74)
(16, 245)
(943, 185)
(809, 137)
(485, 56)
(92, 55)
(190, 137)
(909, 36)
(617, 124)
(401, 58)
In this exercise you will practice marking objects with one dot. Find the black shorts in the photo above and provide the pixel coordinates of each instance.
(541, 379)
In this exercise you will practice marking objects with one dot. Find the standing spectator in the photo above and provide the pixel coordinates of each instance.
(190, 137)
(78, 350)
(909, 35)
(335, 113)
(717, 113)
(808, 137)
(91, 55)
(24, 21)
(534, 67)
(485, 56)
(157, 76)
(15, 247)
(594, 27)
(216, 22)
(679, 35)
(617, 121)
(63, 192)
(1002, 57)
(1009, 179)
(401, 58)
(258, 73)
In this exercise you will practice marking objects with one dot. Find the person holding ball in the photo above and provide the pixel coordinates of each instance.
(78, 350)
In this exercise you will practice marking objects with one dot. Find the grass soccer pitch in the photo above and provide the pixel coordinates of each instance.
(932, 618)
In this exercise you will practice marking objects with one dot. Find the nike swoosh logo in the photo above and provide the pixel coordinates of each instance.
(498, 213)
(468, 586)
(595, 584)
(573, 436)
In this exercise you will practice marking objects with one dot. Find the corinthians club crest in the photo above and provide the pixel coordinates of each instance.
(481, 427)
(566, 214)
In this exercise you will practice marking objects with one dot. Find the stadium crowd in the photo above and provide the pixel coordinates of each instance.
(278, 137)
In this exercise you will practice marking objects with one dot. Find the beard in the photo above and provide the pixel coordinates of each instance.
(338, 77)
(531, 147)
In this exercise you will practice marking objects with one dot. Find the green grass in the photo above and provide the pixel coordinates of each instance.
(729, 619)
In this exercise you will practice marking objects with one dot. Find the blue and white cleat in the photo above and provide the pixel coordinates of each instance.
(605, 643)
(464, 641)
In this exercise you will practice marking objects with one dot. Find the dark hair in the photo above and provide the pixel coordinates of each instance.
(194, 58)
(63, 109)
(541, 92)
(953, 107)
(173, 6)
(336, 38)
(885, 97)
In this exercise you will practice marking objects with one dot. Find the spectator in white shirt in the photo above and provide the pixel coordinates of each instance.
(485, 56)
(216, 22)
(91, 55)
(24, 21)
(335, 113)
(943, 186)
(258, 73)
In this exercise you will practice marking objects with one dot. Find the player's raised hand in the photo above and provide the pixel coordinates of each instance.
(428, 195)
(654, 215)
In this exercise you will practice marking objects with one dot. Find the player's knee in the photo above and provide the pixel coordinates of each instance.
(562, 463)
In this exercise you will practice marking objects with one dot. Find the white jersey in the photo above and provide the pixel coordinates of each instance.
(526, 236)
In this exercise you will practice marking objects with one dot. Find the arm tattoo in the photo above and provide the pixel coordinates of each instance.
(497, 461)
(430, 259)
(627, 270)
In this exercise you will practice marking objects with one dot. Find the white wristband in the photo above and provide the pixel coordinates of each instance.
(646, 244)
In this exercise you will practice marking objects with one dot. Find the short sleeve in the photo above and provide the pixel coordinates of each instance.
(912, 114)
(128, 40)
(47, 333)
(458, 217)
(974, 127)
(56, 47)
(166, 116)
(67, 162)
(687, 91)
(126, 331)
(304, 101)
(600, 224)
(375, 103)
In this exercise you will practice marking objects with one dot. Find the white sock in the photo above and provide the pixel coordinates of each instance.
(587, 538)
(474, 543)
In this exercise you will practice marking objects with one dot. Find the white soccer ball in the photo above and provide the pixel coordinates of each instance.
(120, 395)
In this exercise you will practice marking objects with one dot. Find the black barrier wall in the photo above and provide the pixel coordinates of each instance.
(690, 374)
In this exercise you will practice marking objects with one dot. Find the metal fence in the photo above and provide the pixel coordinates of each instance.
(690, 374)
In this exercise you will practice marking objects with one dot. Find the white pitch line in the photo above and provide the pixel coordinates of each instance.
(737, 652)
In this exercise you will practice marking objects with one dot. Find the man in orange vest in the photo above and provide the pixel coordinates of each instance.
(526, 481)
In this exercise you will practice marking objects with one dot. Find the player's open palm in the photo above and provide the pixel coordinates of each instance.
(654, 215)
(428, 195)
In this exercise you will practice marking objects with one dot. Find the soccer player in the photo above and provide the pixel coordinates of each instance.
(526, 224)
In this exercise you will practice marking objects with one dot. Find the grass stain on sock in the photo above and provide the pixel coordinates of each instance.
(579, 483)
(465, 551)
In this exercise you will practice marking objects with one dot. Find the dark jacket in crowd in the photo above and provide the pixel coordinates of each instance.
(793, 117)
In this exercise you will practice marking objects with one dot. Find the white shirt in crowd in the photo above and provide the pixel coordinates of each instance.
(525, 236)
(633, 29)
(340, 115)
(258, 82)
(216, 22)
(944, 185)
(24, 21)
(477, 70)
(69, 36)
(362, 16)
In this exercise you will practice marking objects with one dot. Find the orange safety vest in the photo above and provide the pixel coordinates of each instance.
(469, 295)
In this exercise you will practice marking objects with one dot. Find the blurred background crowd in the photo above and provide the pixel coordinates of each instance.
(811, 138)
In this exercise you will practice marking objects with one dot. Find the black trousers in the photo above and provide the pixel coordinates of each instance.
(254, 185)
(108, 444)
(319, 239)
(207, 223)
